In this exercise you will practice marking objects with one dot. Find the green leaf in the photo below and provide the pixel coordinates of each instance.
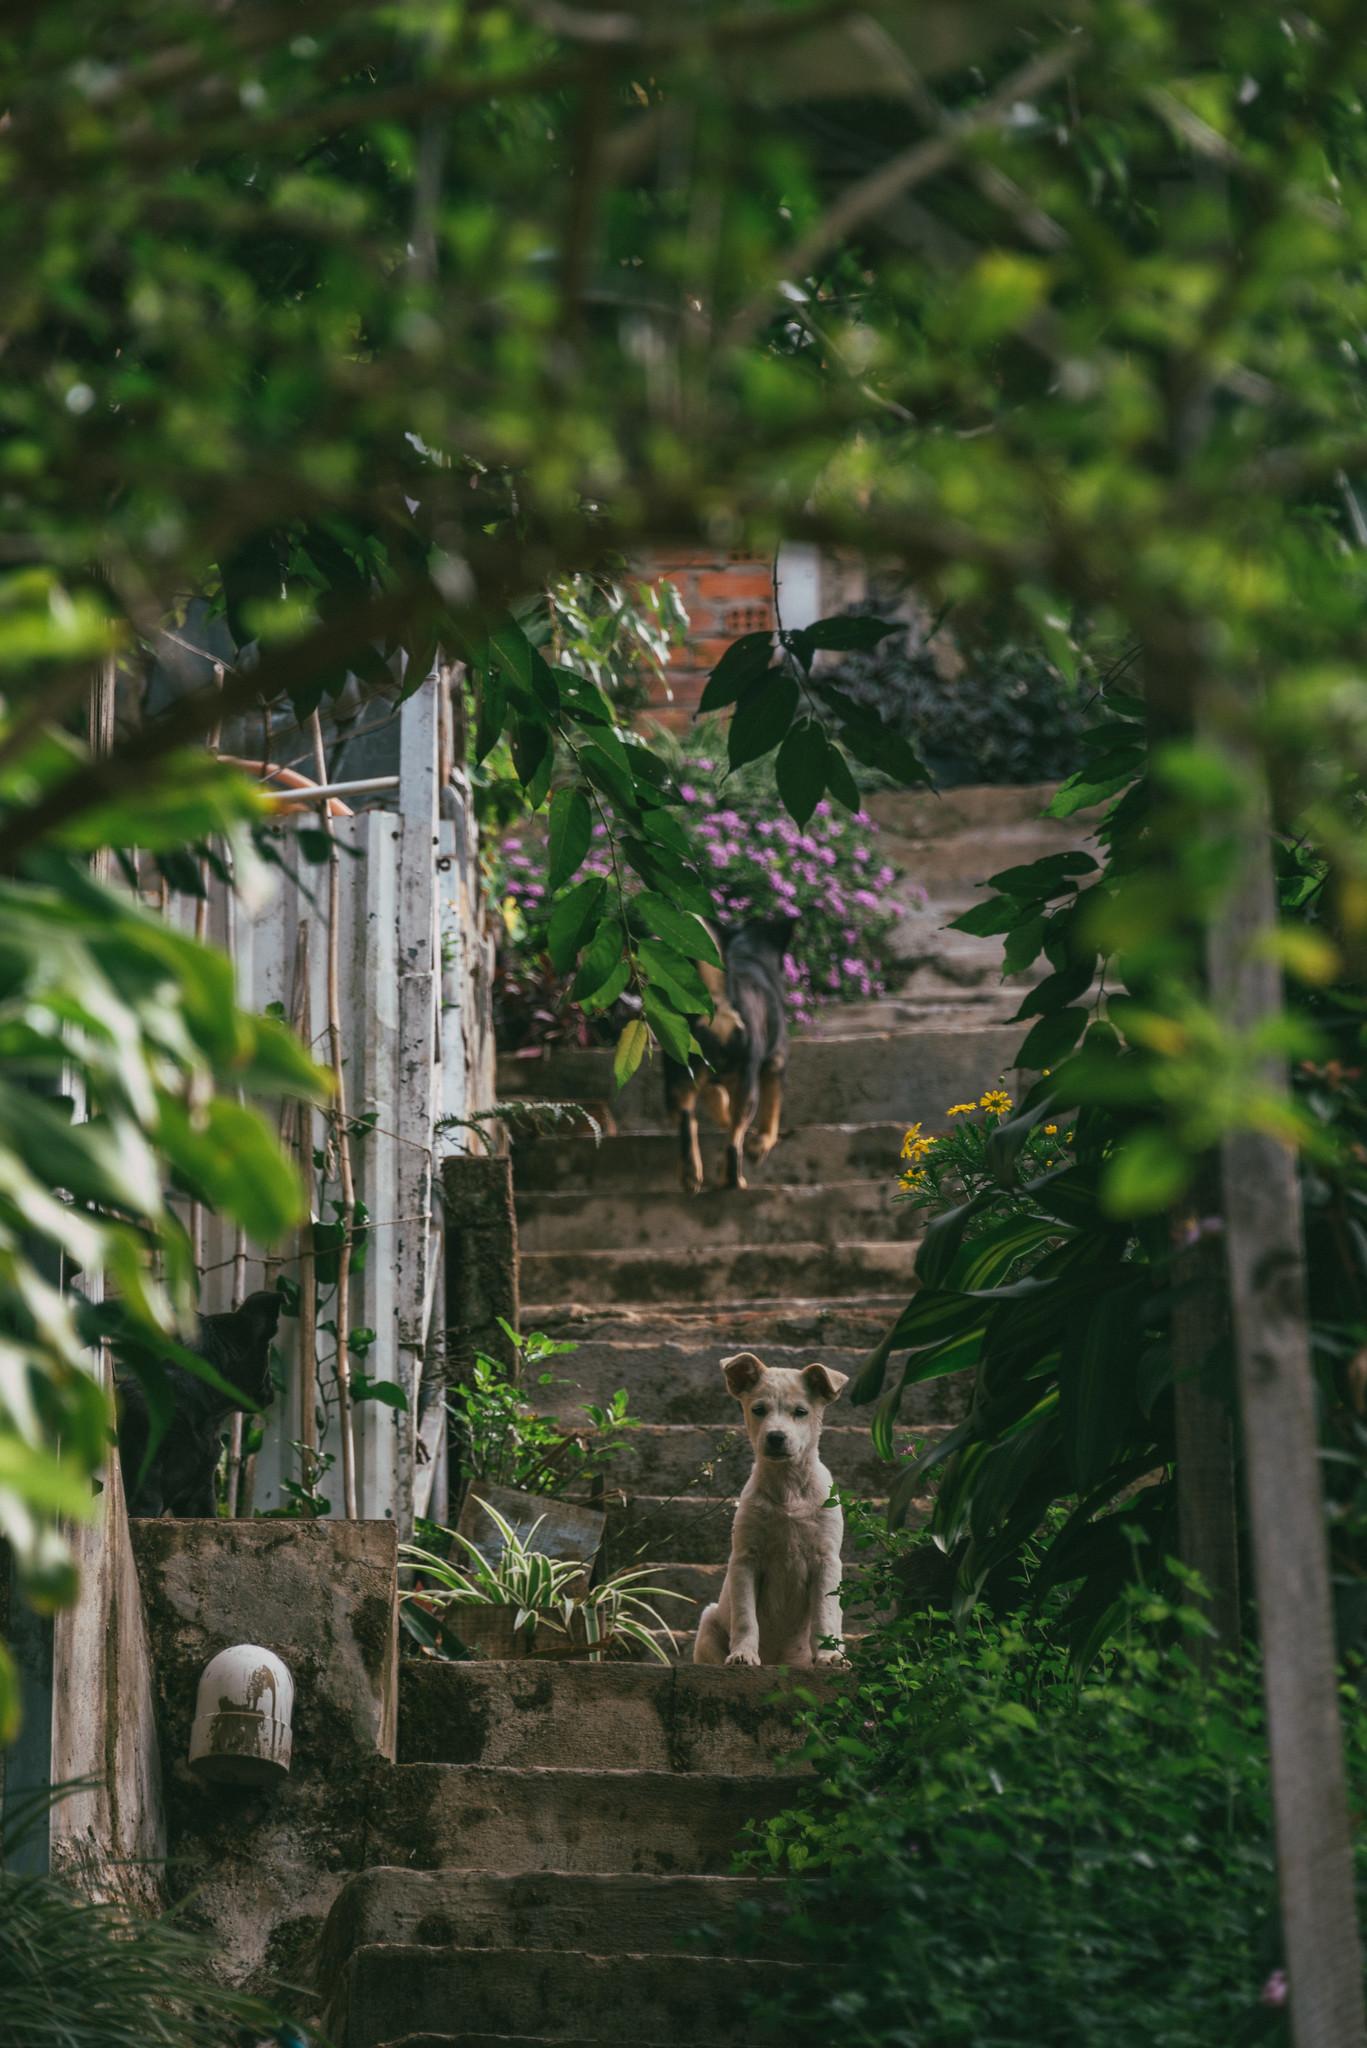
(531, 746)
(840, 781)
(604, 952)
(1079, 793)
(1148, 1172)
(1051, 876)
(1096, 1383)
(678, 978)
(1052, 1037)
(1056, 991)
(605, 996)
(800, 770)
(229, 1157)
(843, 635)
(762, 718)
(739, 669)
(629, 1051)
(1023, 942)
(669, 1027)
(570, 921)
(571, 833)
(986, 920)
(686, 933)
(386, 1392)
(611, 776)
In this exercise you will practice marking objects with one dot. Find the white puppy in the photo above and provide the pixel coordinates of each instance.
(779, 1600)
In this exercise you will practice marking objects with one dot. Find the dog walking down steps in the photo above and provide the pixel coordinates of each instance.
(553, 1833)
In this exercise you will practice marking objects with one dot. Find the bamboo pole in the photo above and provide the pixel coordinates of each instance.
(302, 1019)
(342, 1137)
(1266, 1259)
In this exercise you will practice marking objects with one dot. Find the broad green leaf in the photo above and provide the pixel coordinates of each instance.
(603, 954)
(677, 977)
(1057, 991)
(1051, 1038)
(686, 933)
(762, 718)
(739, 669)
(669, 1027)
(574, 913)
(800, 770)
(843, 634)
(570, 835)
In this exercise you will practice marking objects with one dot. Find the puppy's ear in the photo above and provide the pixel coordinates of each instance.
(822, 1382)
(742, 1372)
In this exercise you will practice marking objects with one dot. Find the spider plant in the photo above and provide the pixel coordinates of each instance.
(77, 1972)
(540, 1590)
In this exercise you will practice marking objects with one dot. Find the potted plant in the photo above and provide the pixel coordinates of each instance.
(525, 1604)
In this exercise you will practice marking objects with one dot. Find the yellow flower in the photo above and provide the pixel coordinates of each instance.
(961, 1108)
(1067, 1137)
(1051, 1130)
(911, 1180)
(911, 1141)
(996, 1101)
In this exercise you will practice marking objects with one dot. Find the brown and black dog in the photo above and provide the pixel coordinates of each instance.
(744, 1052)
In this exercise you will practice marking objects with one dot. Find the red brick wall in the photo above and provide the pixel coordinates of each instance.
(724, 596)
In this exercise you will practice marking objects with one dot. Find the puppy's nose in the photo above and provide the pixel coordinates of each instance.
(775, 1443)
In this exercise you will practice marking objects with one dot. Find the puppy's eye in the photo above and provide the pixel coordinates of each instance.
(759, 1409)
(802, 1411)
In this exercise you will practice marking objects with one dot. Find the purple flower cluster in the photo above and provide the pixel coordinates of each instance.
(829, 874)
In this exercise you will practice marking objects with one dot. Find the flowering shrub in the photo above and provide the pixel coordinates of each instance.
(988, 1851)
(949, 1166)
(830, 875)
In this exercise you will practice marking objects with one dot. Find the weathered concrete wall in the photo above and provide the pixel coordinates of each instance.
(265, 1866)
(89, 1718)
(104, 1718)
(481, 1258)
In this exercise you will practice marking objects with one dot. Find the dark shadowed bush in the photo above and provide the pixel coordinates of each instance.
(992, 1853)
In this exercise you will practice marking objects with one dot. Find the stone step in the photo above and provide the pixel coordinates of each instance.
(655, 1999)
(687, 1528)
(678, 1380)
(650, 1159)
(636, 1219)
(718, 1273)
(901, 1076)
(492, 1817)
(545, 1909)
(856, 1323)
(959, 858)
(972, 807)
(716, 1457)
(491, 2041)
(589, 1716)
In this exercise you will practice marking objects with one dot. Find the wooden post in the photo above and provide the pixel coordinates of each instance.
(419, 1051)
(1207, 1520)
(1266, 1263)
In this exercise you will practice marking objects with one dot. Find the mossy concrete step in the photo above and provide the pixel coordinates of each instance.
(656, 1999)
(584, 1716)
(548, 1910)
(716, 1457)
(718, 1273)
(650, 1159)
(874, 1079)
(678, 1381)
(687, 1529)
(855, 1323)
(491, 1817)
(973, 807)
(651, 1219)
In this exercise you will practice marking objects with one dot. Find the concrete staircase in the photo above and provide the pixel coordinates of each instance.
(555, 1836)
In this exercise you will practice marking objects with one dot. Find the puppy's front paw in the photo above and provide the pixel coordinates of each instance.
(746, 1657)
(831, 1660)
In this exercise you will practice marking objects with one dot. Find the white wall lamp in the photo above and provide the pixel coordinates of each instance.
(244, 1708)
